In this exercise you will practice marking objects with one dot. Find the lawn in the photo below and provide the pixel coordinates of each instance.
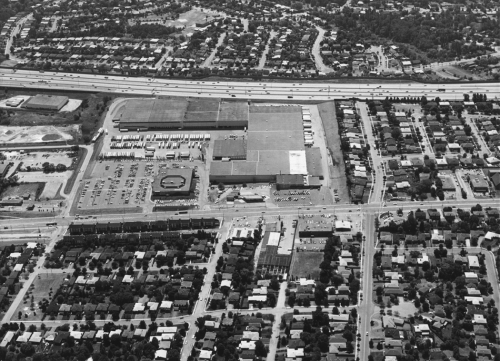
(306, 264)
(42, 286)
(405, 309)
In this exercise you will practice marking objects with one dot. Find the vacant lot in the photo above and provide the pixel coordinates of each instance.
(43, 285)
(306, 264)
(35, 189)
(330, 125)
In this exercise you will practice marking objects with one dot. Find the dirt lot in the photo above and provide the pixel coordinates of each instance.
(38, 134)
(337, 169)
(306, 264)
(42, 287)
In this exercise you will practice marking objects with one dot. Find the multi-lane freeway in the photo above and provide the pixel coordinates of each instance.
(306, 90)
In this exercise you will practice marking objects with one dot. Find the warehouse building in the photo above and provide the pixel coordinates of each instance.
(297, 181)
(173, 182)
(314, 164)
(46, 102)
(274, 147)
(229, 149)
(191, 113)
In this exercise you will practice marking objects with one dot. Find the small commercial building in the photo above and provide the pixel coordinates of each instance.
(46, 102)
(173, 182)
(479, 184)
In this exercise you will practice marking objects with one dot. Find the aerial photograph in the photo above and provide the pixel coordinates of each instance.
(249, 180)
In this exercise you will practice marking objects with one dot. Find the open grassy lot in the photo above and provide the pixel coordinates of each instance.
(306, 264)
(42, 286)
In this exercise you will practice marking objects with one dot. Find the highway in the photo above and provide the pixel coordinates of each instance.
(311, 91)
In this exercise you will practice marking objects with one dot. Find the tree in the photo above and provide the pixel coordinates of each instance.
(323, 342)
(27, 349)
(260, 349)
(221, 186)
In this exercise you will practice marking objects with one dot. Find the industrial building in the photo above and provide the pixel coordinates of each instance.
(274, 147)
(46, 102)
(297, 181)
(276, 250)
(190, 113)
(232, 149)
(173, 182)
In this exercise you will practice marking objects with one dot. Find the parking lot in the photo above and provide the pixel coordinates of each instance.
(119, 184)
(306, 197)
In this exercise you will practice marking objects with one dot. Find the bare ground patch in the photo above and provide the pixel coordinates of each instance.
(337, 169)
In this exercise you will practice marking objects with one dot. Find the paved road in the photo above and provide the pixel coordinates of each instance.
(366, 305)
(229, 213)
(27, 283)
(316, 52)
(241, 90)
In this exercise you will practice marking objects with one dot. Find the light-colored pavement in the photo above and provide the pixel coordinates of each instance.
(366, 305)
(241, 90)
(377, 159)
(316, 52)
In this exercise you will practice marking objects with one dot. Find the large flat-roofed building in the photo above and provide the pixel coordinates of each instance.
(191, 113)
(274, 146)
(289, 181)
(230, 148)
(173, 182)
(46, 102)
(314, 164)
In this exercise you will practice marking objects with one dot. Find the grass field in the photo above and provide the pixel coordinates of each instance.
(43, 285)
(306, 264)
